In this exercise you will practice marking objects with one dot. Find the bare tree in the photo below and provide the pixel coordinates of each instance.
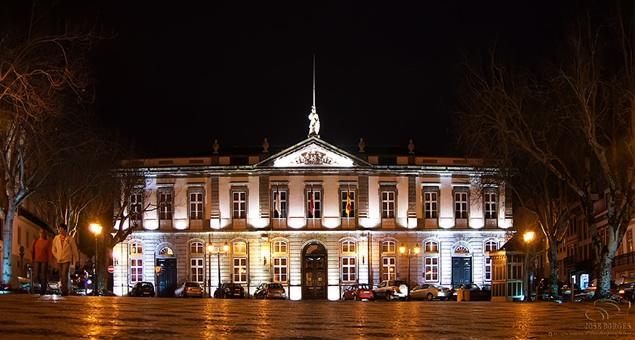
(576, 119)
(42, 73)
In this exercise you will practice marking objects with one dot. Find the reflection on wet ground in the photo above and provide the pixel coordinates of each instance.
(32, 316)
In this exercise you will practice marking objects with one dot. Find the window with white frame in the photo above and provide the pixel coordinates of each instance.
(388, 247)
(196, 205)
(136, 249)
(196, 269)
(491, 246)
(313, 203)
(240, 248)
(136, 270)
(239, 200)
(388, 268)
(460, 204)
(349, 269)
(347, 203)
(279, 247)
(491, 201)
(240, 270)
(196, 248)
(348, 246)
(279, 207)
(136, 206)
(431, 268)
(387, 204)
(165, 204)
(280, 269)
(431, 247)
(488, 268)
(430, 202)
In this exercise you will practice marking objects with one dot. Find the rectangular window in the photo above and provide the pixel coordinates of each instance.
(280, 269)
(136, 270)
(430, 203)
(490, 204)
(240, 248)
(388, 268)
(196, 269)
(431, 268)
(314, 204)
(136, 206)
(196, 205)
(349, 271)
(165, 205)
(488, 269)
(629, 241)
(240, 204)
(460, 204)
(388, 204)
(347, 203)
(240, 270)
(279, 204)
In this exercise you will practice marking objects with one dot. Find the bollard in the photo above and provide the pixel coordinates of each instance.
(459, 295)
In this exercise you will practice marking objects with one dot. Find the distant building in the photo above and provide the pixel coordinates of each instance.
(313, 217)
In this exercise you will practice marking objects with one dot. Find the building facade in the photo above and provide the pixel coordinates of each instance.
(313, 217)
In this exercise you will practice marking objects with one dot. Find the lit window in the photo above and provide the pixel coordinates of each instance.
(348, 247)
(349, 269)
(629, 241)
(431, 268)
(431, 247)
(491, 246)
(196, 205)
(196, 248)
(387, 204)
(460, 204)
(239, 204)
(280, 269)
(196, 269)
(279, 207)
(388, 267)
(279, 247)
(490, 204)
(165, 205)
(430, 203)
(240, 248)
(347, 203)
(240, 270)
(136, 248)
(313, 203)
(388, 247)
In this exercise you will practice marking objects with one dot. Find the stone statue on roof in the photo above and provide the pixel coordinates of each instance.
(314, 123)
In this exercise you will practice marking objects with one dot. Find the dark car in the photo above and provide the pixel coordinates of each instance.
(358, 292)
(270, 291)
(142, 289)
(627, 291)
(230, 290)
(476, 293)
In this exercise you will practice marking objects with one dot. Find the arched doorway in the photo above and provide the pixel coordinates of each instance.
(314, 266)
(461, 265)
(166, 271)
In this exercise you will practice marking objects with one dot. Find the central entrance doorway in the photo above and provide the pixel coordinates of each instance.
(166, 272)
(314, 267)
(461, 270)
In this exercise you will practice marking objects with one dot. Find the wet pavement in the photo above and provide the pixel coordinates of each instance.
(32, 316)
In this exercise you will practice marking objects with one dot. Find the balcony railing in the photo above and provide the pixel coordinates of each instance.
(624, 259)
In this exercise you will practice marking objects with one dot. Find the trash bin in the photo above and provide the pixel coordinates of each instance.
(459, 295)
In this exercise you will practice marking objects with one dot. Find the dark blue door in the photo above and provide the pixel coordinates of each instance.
(461, 270)
(166, 278)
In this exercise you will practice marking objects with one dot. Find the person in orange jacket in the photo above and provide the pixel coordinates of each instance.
(41, 255)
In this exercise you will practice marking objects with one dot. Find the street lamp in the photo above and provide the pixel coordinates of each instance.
(210, 251)
(410, 251)
(528, 237)
(218, 251)
(95, 228)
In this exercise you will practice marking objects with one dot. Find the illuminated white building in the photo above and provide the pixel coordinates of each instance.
(283, 218)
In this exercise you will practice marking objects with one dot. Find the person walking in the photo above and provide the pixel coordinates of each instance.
(41, 255)
(65, 252)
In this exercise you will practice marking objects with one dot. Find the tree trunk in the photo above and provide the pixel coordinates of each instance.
(605, 272)
(7, 236)
(553, 264)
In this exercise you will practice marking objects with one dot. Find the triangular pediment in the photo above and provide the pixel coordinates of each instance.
(313, 152)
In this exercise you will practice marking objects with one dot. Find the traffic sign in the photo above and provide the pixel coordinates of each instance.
(111, 269)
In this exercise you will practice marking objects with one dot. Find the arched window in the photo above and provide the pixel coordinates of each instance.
(240, 248)
(279, 247)
(388, 247)
(348, 246)
(239, 251)
(491, 246)
(196, 248)
(431, 247)
(461, 250)
(136, 262)
(166, 251)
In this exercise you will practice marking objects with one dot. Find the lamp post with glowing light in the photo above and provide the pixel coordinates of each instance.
(218, 251)
(410, 251)
(95, 228)
(210, 251)
(528, 237)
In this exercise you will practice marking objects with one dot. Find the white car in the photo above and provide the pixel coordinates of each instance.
(189, 289)
(430, 292)
(393, 289)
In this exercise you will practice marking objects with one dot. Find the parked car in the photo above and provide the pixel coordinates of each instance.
(627, 291)
(189, 289)
(430, 292)
(142, 289)
(476, 293)
(393, 289)
(270, 291)
(358, 292)
(229, 290)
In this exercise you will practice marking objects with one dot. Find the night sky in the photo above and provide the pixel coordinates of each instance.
(178, 75)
